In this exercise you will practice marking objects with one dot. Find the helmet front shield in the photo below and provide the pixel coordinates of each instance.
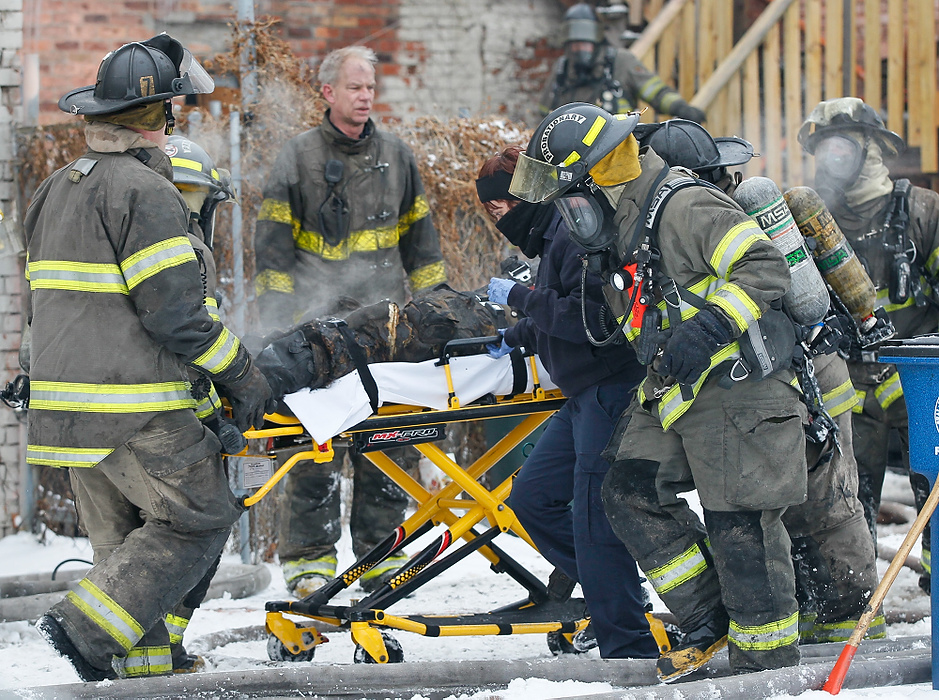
(534, 181)
(195, 79)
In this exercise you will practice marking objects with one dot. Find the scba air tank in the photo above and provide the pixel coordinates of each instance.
(834, 255)
(807, 298)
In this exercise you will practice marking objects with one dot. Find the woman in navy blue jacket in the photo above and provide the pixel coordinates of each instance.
(556, 494)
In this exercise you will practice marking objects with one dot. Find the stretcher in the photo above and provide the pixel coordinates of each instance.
(461, 389)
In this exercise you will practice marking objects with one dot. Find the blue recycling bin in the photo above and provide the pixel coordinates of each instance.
(917, 360)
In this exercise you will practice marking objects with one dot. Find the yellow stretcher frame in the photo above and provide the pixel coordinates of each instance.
(536, 614)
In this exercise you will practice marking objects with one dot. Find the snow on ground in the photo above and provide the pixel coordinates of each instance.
(470, 586)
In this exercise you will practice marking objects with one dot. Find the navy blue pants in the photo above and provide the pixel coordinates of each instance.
(556, 497)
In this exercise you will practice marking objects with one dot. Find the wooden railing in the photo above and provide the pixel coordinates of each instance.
(797, 53)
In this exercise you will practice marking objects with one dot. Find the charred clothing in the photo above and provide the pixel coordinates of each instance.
(358, 236)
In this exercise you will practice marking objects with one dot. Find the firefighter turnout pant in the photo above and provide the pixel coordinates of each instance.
(743, 448)
(832, 549)
(556, 497)
(158, 511)
(880, 409)
(310, 524)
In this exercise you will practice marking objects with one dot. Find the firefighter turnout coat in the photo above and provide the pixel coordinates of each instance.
(342, 217)
(117, 302)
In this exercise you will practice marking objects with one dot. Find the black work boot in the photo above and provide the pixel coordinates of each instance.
(184, 662)
(54, 633)
(695, 649)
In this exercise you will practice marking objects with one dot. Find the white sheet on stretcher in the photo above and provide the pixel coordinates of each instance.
(328, 411)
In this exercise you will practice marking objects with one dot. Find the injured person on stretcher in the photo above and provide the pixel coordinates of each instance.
(315, 353)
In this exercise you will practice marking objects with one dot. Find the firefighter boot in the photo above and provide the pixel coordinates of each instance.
(184, 662)
(306, 576)
(54, 633)
(696, 648)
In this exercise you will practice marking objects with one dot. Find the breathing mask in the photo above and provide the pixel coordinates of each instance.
(589, 218)
(838, 162)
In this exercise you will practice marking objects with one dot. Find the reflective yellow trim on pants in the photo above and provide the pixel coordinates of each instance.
(842, 631)
(427, 276)
(273, 281)
(324, 566)
(101, 609)
(888, 391)
(76, 276)
(682, 568)
(221, 354)
(772, 635)
(883, 300)
(859, 406)
(145, 263)
(109, 398)
(841, 399)
(925, 558)
(176, 626)
(147, 661)
(52, 456)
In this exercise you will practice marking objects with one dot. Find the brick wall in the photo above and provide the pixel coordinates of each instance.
(11, 37)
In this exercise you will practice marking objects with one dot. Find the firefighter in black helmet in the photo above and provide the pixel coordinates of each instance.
(591, 70)
(117, 321)
(687, 278)
(893, 228)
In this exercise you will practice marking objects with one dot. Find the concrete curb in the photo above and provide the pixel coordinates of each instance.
(238, 580)
(449, 677)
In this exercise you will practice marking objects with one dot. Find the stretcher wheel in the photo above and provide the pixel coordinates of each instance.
(276, 651)
(559, 644)
(395, 651)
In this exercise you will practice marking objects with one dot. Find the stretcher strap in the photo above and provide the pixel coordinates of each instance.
(519, 373)
(358, 359)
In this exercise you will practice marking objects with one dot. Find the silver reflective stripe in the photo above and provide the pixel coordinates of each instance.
(737, 304)
(160, 256)
(734, 244)
(148, 661)
(176, 626)
(76, 276)
(222, 353)
(772, 635)
(51, 456)
(105, 613)
(840, 399)
(110, 398)
(685, 566)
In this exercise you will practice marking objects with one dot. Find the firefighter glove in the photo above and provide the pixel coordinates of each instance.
(686, 111)
(501, 349)
(287, 364)
(687, 350)
(499, 290)
(250, 397)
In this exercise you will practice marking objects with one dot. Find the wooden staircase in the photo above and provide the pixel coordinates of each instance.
(795, 54)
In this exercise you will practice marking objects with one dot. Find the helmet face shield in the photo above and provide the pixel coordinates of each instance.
(199, 80)
(534, 181)
(838, 160)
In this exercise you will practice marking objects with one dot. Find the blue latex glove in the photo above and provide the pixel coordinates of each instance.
(503, 348)
(499, 290)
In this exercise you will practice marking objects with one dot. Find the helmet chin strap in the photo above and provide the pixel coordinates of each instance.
(170, 119)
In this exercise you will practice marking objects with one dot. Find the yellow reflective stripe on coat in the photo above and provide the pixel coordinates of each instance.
(76, 276)
(682, 568)
(932, 263)
(209, 405)
(737, 304)
(859, 406)
(925, 558)
(650, 89)
(702, 288)
(109, 398)
(101, 609)
(52, 456)
(734, 244)
(671, 405)
(273, 281)
(772, 635)
(211, 305)
(841, 399)
(145, 263)
(883, 300)
(148, 661)
(888, 391)
(219, 357)
(427, 276)
(176, 626)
